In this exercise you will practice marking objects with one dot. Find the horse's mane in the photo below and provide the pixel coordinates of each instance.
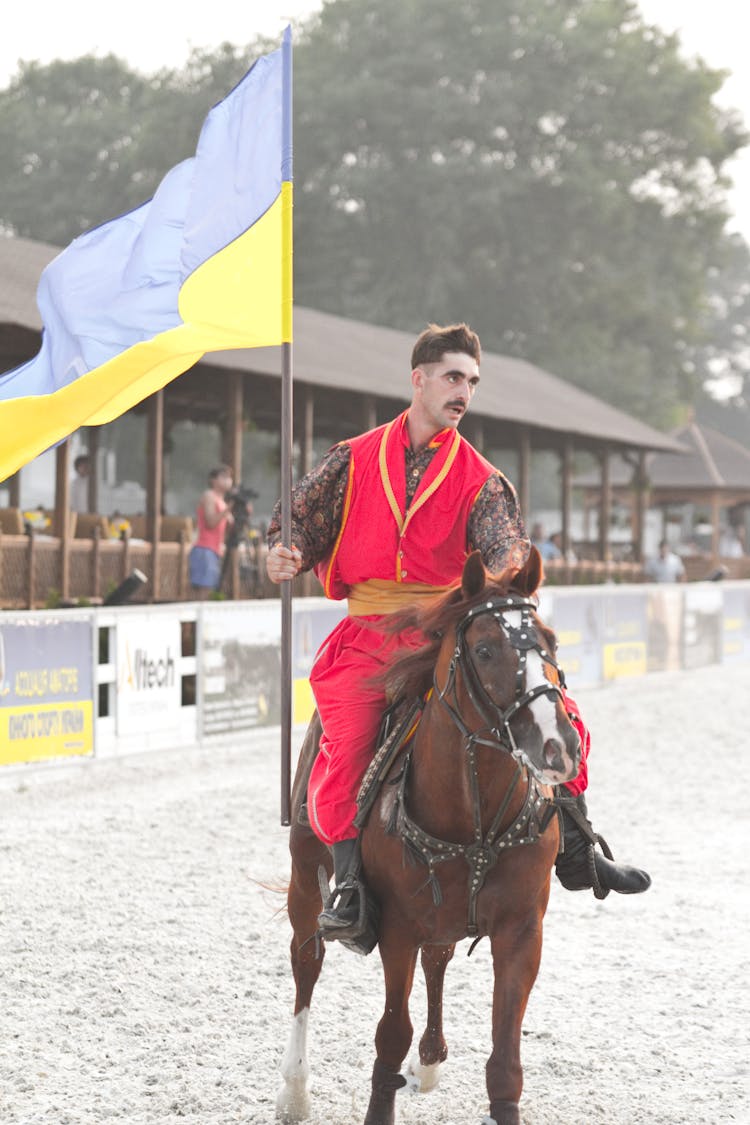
(409, 674)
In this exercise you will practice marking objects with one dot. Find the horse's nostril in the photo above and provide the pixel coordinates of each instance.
(553, 754)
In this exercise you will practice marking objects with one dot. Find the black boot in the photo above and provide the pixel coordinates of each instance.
(348, 915)
(580, 866)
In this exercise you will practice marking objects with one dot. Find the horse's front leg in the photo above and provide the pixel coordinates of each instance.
(393, 1037)
(433, 1050)
(293, 1099)
(516, 953)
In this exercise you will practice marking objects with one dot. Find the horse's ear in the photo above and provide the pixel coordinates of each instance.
(474, 577)
(529, 577)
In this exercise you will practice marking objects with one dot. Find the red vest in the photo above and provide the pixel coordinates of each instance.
(378, 538)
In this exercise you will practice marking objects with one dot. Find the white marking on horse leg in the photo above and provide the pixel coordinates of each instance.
(293, 1099)
(426, 1076)
(488, 1121)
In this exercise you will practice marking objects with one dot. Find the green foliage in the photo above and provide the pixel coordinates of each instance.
(553, 173)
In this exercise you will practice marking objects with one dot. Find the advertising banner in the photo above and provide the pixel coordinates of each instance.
(625, 630)
(240, 666)
(736, 625)
(148, 696)
(312, 621)
(664, 636)
(46, 689)
(577, 621)
(702, 625)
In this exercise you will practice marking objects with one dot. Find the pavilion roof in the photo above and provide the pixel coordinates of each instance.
(335, 352)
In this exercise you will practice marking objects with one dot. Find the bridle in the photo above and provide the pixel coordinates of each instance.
(524, 638)
(532, 819)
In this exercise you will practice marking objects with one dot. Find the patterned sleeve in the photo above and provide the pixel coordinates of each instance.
(317, 505)
(496, 528)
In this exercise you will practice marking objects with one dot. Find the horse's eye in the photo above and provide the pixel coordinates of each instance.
(483, 652)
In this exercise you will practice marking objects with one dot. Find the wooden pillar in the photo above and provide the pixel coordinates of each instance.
(605, 505)
(369, 412)
(566, 495)
(14, 490)
(62, 526)
(307, 454)
(155, 484)
(524, 471)
(92, 446)
(478, 435)
(640, 505)
(715, 525)
(232, 436)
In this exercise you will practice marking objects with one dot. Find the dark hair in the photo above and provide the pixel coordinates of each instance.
(432, 344)
(81, 459)
(218, 470)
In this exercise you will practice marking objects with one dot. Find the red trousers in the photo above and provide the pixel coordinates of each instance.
(351, 708)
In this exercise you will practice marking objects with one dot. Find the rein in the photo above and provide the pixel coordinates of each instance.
(537, 810)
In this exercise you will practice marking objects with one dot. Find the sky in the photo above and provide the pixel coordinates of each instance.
(152, 37)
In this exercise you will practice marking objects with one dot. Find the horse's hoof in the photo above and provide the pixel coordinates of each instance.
(423, 1077)
(293, 1103)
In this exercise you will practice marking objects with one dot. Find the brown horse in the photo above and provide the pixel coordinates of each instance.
(461, 839)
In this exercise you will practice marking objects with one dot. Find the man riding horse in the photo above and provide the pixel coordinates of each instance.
(386, 518)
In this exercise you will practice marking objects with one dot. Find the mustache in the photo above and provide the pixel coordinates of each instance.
(457, 403)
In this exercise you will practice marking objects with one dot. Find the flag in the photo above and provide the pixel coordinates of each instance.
(204, 265)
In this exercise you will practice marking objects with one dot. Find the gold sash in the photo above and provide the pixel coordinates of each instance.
(381, 595)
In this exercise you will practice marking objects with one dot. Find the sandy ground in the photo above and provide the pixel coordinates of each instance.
(145, 974)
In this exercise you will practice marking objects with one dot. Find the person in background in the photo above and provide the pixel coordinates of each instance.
(556, 541)
(730, 544)
(213, 516)
(79, 486)
(666, 566)
(546, 548)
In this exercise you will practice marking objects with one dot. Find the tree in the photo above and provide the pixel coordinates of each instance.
(552, 173)
(87, 140)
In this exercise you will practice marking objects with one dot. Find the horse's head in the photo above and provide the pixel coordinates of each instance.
(509, 674)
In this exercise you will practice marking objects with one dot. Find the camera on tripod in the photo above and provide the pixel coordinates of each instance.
(238, 499)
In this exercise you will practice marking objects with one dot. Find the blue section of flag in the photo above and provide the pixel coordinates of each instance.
(118, 285)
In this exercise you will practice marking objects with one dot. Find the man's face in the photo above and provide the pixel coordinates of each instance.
(443, 390)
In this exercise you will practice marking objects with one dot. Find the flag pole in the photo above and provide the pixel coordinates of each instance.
(287, 301)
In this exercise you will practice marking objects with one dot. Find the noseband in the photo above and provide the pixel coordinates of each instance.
(523, 638)
(536, 812)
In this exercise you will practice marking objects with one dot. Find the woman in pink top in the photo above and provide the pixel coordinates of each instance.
(213, 517)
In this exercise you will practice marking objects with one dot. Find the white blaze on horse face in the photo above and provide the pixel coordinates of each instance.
(293, 1099)
(543, 708)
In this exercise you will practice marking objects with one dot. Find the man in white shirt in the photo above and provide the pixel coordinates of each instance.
(79, 487)
(666, 567)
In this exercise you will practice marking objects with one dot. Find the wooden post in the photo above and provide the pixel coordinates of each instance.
(31, 567)
(14, 490)
(96, 555)
(369, 412)
(640, 507)
(566, 495)
(93, 450)
(232, 437)
(605, 505)
(307, 450)
(524, 471)
(154, 485)
(62, 513)
(478, 435)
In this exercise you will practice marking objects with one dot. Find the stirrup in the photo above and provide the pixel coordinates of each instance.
(359, 935)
